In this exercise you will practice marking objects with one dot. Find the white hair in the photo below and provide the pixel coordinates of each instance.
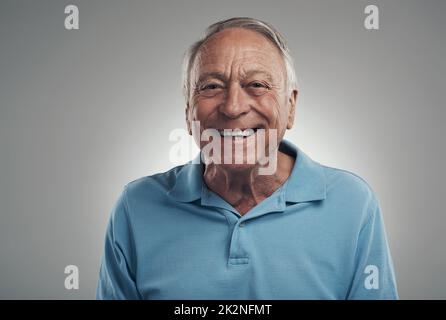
(261, 27)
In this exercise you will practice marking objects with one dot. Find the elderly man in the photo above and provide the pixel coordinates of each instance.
(219, 229)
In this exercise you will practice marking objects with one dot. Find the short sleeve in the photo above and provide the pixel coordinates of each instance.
(374, 276)
(117, 272)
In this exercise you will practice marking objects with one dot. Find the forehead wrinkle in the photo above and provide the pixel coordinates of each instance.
(243, 72)
(216, 61)
(222, 46)
(236, 55)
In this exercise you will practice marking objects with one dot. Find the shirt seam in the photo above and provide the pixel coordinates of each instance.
(366, 224)
(132, 234)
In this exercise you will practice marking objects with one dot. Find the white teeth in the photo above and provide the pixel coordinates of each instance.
(248, 132)
(236, 132)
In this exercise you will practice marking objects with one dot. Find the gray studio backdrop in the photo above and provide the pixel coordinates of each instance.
(82, 112)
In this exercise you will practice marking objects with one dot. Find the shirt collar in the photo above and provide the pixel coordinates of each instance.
(306, 182)
(307, 179)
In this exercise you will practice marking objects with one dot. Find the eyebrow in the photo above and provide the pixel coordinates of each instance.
(214, 74)
(222, 77)
(251, 73)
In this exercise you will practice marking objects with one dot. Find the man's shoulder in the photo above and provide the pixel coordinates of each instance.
(153, 184)
(345, 183)
(350, 194)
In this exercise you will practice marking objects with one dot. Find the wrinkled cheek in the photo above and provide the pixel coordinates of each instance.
(270, 107)
(199, 114)
(195, 124)
(274, 112)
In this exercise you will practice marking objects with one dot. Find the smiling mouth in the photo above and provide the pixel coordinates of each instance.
(237, 133)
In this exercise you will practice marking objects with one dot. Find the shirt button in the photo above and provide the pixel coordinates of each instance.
(241, 225)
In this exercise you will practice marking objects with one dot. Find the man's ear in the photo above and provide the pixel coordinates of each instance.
(188, 120)
(292, 108)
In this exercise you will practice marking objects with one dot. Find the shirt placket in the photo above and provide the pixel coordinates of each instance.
(240, 226)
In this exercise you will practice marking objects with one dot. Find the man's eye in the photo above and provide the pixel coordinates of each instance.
(211, 86)
(257, 88)
(258, 85)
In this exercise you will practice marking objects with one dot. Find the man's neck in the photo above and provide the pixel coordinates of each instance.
(244, 189)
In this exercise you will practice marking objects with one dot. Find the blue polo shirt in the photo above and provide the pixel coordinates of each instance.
(319, 236)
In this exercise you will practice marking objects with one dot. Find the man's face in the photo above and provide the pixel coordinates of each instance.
(238, 81)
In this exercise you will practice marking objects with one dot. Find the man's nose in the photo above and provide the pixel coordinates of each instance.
(236, 102)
